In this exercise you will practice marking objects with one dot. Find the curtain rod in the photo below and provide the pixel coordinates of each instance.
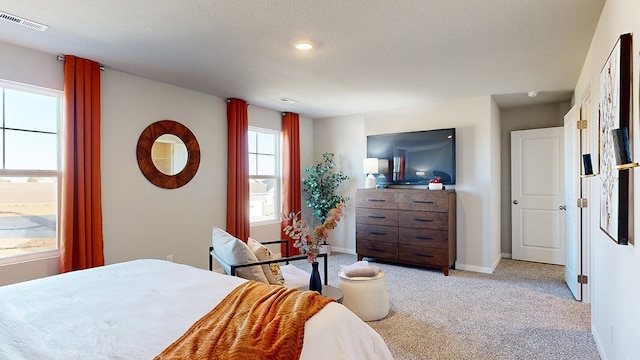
(61, 58)
(229, 100)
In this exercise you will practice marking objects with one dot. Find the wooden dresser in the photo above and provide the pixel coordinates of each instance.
(407, 226)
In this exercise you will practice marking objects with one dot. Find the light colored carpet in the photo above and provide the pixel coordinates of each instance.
(523, 310)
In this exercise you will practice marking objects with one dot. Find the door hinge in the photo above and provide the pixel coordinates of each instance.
(583, 279)
(582, 202)
(581, 124)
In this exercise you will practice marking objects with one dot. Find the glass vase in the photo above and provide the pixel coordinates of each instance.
(315, 283)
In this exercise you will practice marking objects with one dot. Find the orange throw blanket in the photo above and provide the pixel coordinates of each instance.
(255, 321)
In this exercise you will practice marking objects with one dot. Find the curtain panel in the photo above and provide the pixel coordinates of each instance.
(291, 180)
(238, 221)
(81, 239)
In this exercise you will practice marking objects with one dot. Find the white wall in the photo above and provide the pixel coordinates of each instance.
(478, 168)
(30, 67)
(344, 138)
(141, 220)
(493, 231)
(615, 271)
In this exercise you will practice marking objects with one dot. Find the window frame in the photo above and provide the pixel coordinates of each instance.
(277, 201)
(57, 173)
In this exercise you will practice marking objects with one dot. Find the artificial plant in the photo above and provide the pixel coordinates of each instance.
(321, 186)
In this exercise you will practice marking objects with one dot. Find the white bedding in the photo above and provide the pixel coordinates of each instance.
(134, 310)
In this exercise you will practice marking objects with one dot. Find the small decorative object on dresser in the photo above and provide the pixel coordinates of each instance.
(407, 226)
(435, 183)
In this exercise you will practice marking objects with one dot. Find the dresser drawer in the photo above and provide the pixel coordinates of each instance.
(377, 217)
(420, 255)
(424, 237)
(423, 220)
(427, 200)
(377, 233)
(377, 249)
(377, 199)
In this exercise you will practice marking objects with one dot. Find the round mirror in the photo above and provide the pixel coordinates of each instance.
(168, 154)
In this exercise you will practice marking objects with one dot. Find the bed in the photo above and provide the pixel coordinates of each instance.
(135, 309)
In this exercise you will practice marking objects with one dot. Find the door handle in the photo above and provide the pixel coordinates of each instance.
(515, 202)
(562, 207)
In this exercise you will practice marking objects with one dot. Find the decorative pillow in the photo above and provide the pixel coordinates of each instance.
(361, 269)
(232, 251)
(271, 271)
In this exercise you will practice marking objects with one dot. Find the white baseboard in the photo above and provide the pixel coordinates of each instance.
(480, 269)
(506, 255)
(343, 250)
(474, 268)
(459, 266)
(599, 345)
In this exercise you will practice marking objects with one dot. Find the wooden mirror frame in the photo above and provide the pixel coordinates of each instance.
(143, 153)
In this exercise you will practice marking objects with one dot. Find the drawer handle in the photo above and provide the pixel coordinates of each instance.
(422, 220)
(376, 200)
(375, 249)
(423, 202)
(425, 238)
(377, 233)
(377, 217)
(423, 255)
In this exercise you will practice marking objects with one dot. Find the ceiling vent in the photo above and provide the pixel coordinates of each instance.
(287, 100)
(24, 22)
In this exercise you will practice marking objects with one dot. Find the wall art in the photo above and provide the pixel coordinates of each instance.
(615, 113)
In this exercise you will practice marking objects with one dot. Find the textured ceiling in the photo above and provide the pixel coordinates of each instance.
(370, 55)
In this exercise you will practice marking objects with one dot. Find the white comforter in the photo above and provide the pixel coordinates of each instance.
(134, 310)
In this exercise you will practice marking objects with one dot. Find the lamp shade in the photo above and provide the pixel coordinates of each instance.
(370, 165)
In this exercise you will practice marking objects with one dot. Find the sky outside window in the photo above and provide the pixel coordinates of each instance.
(30, 124)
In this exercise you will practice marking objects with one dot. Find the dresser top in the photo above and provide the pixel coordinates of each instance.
(410, 190)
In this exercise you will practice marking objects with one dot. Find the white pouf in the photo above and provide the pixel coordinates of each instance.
(367, 297)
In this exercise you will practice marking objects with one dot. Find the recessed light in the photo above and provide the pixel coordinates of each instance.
(303, 45)
(532, 94)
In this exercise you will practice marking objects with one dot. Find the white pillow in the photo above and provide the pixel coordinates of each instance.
(294, 277)
(360, 269)
(271, 271)
(233, 251)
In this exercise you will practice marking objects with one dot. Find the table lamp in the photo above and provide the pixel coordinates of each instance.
(370, 167)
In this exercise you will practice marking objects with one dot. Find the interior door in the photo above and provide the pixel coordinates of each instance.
(537, 195)
(572, 193)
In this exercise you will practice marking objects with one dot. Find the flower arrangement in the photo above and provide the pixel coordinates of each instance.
(436, 180)
(298, 230)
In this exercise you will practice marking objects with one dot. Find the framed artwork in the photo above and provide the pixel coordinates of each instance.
(615, 113)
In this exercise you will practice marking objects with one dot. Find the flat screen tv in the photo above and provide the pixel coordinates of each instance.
(414, 158)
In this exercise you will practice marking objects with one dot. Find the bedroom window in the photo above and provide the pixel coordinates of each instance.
(264, 175)
(29, 170)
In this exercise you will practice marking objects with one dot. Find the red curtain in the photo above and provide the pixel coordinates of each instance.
(291, 194)
(81, 242)
(238, 223)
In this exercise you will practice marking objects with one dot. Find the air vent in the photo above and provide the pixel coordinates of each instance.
(24, 22)
(287, 100)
